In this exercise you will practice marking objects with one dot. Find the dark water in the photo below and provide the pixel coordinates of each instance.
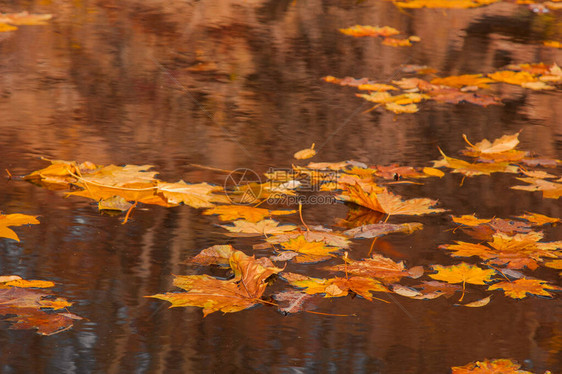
(118, 82)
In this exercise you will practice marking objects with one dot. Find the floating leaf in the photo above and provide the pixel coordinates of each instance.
(215, 255)
(518, 289)
(512, 77)
(228, 296)
(264, 227)
(328, 237)
(12, 220)
(459, 81)
(200, 195)
(462, 273)
(360, 31)
(249, 213)
(387, 202)
(305, 153)
(308, 251)
(479, 303)
(550, 190)
(380, 229)
(498, 366)
(377, 266)
(28, 306)
(469, 220)
(503, 144)
(471, 169)
(453, 4)
(336, 287)
(291, 301)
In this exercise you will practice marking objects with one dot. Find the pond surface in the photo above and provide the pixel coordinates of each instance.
(236, 84)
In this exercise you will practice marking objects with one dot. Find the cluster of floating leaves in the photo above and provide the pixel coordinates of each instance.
(505, 247)
(452, 89)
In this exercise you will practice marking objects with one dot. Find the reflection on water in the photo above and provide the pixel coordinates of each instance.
(232, 84)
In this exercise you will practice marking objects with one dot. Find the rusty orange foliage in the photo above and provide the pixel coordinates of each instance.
(213, 294)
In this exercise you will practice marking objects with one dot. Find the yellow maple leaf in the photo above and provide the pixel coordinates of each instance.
(519, 288)
(308, 251)
(462, 273)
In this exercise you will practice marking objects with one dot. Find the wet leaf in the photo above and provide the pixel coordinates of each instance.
(308, 251)
(387, 202)
(462, 273)
(305, 153)
(454, 4)
(215, 255)
(248, 213)
(503, 144)
(29, 306)
(518, 289)
(291, 301)
(328, 237)
(336, 287)
(498, 366)
(459, 81)
(550, 190)
(469, 220)
(512, 77)
(380, 229)
(377, 266)
(212, 294)
(200, 195)
(264, 227)
(360, 31)
(12, 220)
(397, 108)
(471, 169)
(478, 303)
(393, 42)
